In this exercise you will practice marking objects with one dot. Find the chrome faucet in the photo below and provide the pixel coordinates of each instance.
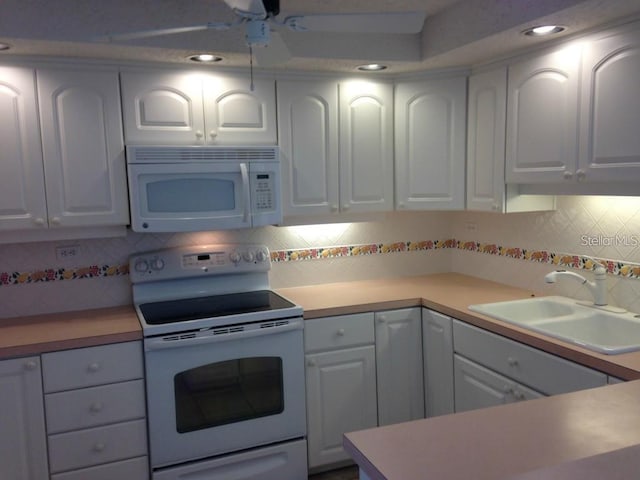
(598, 287)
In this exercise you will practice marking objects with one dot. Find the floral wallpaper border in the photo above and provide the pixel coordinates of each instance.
(614, 267)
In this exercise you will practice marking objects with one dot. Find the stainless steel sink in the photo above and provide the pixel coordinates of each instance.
(595, 328)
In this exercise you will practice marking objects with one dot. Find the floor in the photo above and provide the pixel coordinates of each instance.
(348, 473)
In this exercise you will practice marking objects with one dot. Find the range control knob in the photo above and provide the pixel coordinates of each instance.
(261, 256)
(248, 256)
(157, 264)
(235, 257)
(141, 265)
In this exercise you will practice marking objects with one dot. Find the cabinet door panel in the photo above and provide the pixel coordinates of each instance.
(162, 108)
(542, 118)
(430, 144)
(22, 436)
(366, 148)
(399, 366)
(83, 148)
(437, 344)
(308, 133)
(341, 397)
(22, 196)
(610, 144)
(235, 113)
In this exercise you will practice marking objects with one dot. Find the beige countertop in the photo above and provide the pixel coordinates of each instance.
(450, 294)
(561, 435)
(59, 331)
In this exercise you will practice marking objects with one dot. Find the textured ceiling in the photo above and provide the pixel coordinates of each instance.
(455, 34)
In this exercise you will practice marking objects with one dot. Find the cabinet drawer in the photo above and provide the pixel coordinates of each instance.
(86, 367)
(85, 448)
(338, 332)
(133, 469)
(479, 387)
(542, 371)
(90, 407)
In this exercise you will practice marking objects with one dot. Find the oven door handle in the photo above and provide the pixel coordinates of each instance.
(178, 340)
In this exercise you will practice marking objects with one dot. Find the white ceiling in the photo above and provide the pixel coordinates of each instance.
(456, 32)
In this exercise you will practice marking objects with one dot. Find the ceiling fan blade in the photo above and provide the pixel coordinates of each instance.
(404, 22)
(274, 53)
(248, 8)
(161, 31)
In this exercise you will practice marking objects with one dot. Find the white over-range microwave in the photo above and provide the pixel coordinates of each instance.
(197, 188)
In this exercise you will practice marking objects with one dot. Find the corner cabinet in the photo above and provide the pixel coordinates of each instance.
(542, 118)
(22, 436)
(610, 108)
(486, 137)
(437, 344)
(430, 130)
(193, 108)
(62, 165)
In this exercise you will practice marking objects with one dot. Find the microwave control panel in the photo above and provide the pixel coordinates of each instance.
(263, 192)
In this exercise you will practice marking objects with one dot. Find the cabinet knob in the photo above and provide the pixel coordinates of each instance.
(345, 206)
(334, 208)
(96, 407)
(340, 332)
(507, 389)
(311, 363)
(39, 221)
(213, 134)
(99, 447)
(382, 319)
(495, 207)
(401, 205)
(567, 175)
(31, 365)
(55, 220)
(581, 175)
(93, 367)
(512, 361)
(519, 396)
(199, 134)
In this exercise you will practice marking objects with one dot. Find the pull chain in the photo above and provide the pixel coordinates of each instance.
(251, 66)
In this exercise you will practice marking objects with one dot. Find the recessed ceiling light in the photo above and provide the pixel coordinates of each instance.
(372, 67)
(205, 58)
(4, 46)
(542, 30)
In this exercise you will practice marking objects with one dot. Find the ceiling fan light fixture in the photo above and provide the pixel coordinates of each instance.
(543, 30)
(372, 67)
(205, 58)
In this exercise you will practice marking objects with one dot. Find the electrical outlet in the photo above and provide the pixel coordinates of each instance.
(68, 252)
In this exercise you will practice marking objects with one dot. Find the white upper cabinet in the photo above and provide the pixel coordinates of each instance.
(22, 196)
(308, 139)
(542, 118)
(610, 109)
(64, 165)
(430, 144)
(366, 146)
(486, 188)
(84, 165)
(191, 108)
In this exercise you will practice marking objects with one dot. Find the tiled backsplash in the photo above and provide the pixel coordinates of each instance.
(517, 249)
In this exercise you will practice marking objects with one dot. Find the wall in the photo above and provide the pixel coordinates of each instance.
(603, 227)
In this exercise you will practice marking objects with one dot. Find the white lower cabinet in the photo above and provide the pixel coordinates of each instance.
(479, 387)
(96, 415)
(399, 366)
(437, 344)
(341, 383)
(22, 427)
(491, 369)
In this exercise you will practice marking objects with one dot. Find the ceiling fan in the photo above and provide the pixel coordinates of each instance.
(259, 16)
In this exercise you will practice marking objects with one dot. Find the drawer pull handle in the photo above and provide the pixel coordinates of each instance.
(94, 367)
(99, 447)
(520, 396)
(31, 365)
(340, 332)
(96, 407)
(513, 362)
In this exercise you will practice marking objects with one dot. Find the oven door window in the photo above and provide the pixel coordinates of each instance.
(228, 392)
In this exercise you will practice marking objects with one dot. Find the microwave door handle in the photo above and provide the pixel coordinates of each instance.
(245, 190)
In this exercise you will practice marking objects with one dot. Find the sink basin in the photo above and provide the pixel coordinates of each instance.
(566, 319)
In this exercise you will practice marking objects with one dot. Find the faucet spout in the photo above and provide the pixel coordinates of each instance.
(598, 287)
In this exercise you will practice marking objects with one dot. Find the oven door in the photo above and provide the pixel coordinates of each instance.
(189, 197)
(224, 390)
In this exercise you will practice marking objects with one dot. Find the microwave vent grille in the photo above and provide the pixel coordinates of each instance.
(201, 154)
